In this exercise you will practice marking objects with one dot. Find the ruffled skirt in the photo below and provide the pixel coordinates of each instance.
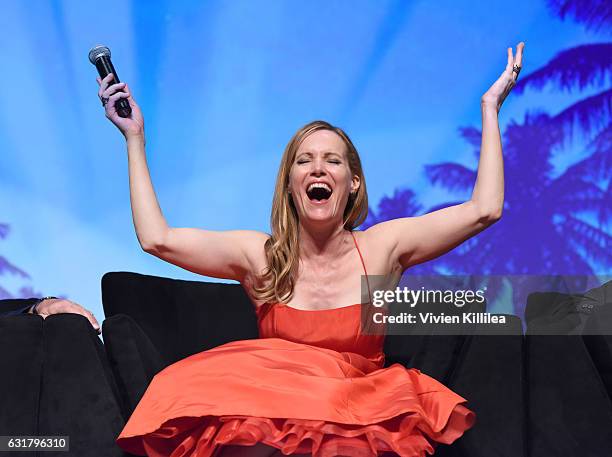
(295, 397)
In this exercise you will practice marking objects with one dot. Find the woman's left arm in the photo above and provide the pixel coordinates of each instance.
(414, 240)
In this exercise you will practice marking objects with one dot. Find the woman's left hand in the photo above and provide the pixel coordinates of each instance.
(500, 89)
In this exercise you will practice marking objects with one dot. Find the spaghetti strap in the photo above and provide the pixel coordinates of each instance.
(364, 267)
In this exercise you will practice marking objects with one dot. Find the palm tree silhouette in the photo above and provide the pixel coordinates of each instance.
(7, 267)
(403, 203)
(543, 230)
(581, 67)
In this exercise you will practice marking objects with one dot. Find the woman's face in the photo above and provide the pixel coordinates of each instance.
(320, 179)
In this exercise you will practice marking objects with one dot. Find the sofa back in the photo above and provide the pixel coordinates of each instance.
(180, 317)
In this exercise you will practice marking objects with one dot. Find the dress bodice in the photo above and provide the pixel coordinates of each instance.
(339, 329)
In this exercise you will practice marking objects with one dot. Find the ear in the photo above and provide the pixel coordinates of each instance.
(355, 184)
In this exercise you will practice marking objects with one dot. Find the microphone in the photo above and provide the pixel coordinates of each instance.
(100, 56)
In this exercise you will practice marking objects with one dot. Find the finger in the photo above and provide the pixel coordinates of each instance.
(106, 81)
(113, 98)
(112, 89)
(519, 54)
(88, 315)
(510, 60)
(94, 321)
(98, 80)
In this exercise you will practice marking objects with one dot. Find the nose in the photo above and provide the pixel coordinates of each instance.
(317, 166)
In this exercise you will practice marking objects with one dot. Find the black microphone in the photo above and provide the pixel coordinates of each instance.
(100, 56)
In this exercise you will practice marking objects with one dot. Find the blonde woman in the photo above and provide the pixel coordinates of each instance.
(313, 383)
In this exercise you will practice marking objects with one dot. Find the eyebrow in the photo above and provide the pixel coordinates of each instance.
(325, 154)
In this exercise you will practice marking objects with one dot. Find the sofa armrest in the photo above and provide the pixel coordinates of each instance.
(21, 363)
(79, 397)
(133, 358)
(58, 383)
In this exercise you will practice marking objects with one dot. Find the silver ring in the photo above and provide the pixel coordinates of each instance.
(104, 100)
(516, 69)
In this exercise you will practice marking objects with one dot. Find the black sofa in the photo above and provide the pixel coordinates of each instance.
(536, 395)
(152, 322)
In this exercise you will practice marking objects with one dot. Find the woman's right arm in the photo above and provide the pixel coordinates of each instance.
(228, 254)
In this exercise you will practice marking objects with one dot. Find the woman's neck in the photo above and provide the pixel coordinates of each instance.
(321, 243)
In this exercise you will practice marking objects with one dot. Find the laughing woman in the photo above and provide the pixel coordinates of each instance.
(313, 383)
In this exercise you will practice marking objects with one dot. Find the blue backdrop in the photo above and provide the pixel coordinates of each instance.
(223, 86)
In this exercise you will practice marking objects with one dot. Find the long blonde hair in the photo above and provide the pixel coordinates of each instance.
(282, 248)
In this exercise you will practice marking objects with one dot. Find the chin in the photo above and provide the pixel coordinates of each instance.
(320, 217)
(321, 213)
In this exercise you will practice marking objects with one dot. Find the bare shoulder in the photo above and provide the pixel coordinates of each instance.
(376, 246)
(382, 236)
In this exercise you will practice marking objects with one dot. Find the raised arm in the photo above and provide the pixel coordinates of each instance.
(227, 255)
(414, 240)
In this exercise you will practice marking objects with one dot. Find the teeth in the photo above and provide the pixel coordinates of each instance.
(319, 184)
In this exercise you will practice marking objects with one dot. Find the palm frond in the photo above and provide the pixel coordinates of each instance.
(591, 114)
(587, 198)
(596, 243)
(594, 14)
(567, 261)
(7, 267)
(452, 176)
(605, 212)
(603, 140)
(597, 166)
(371, 219)
(4, 294)
(472, 135)
(572, 68)
(403, 203)
(4, 229)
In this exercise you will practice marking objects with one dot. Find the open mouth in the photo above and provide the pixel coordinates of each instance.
(318, 192)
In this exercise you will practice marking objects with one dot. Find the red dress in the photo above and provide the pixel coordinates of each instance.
(312, 383)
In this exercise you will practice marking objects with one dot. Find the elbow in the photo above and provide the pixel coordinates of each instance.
(491, 217)
(149, 247)
(154, 243)
(152, 246)
(488, 215)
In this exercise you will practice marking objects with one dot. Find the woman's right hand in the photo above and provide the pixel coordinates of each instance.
(129, 126)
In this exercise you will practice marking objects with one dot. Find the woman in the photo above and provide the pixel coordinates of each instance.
(312, 383)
